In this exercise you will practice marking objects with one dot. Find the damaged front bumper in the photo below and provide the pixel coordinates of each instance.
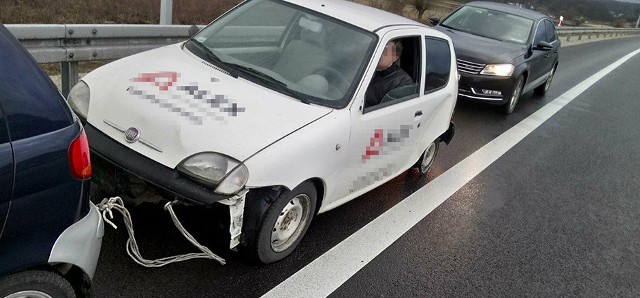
(122, 171)
(168, 180)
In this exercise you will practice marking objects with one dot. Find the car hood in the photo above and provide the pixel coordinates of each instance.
(483, 50)
(181, 106)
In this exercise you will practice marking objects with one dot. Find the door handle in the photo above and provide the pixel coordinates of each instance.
(546, 55)
(418, 113)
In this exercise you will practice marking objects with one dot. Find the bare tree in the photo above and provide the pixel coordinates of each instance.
(420, 5)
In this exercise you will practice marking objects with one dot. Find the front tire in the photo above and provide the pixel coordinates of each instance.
(36, 284)
(510, 105)
(285, 223)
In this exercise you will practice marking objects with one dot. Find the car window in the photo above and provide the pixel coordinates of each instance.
(400, 80)
(438, 55)
(317, 58)
(264, 25)
(551, 31)
(541, 33)
(31, 103)
(490, 24)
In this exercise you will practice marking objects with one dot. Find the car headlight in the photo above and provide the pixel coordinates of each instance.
(213, 169)
(79, 99)
(502, 70)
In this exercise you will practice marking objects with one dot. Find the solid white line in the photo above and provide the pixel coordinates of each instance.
(329, 271)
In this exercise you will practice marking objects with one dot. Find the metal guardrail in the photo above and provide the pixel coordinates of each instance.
(69, 44)
(579, 32)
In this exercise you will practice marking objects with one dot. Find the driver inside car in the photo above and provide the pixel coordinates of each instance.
(388, 75)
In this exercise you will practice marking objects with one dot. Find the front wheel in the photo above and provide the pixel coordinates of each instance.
(36, 284)
(285, 223)
(510, 105)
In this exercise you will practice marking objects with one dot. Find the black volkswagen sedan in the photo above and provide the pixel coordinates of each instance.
(502, 51)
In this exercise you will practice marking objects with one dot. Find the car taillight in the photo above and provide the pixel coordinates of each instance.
(79, 160)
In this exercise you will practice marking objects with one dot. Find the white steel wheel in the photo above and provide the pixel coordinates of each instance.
(285, 223)
(428, 157)
(292, 219)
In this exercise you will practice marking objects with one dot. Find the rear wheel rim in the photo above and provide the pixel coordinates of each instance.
(549, 79)
(428, 158)
(29, 294)
(289, 225)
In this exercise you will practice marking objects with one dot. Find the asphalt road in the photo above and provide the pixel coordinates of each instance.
(556, 215)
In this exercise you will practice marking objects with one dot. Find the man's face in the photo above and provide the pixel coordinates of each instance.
(389, 56)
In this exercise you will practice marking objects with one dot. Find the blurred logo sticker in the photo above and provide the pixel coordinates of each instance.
(187, 100)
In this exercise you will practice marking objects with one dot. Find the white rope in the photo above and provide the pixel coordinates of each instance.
(116, 203)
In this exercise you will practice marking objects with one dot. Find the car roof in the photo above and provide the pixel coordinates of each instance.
(359, 15)
(511, 9)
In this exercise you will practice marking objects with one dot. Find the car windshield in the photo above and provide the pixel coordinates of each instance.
(289, 49)
(491, 24)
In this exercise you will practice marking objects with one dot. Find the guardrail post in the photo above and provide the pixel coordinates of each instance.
(166, 9)
(569, 37)
(69, 76)
(580, 36)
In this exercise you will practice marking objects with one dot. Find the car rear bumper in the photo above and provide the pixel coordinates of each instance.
(473, 87)
(80, 243)
(167, 180)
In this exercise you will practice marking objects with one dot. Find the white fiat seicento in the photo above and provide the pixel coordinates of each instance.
(266, 112)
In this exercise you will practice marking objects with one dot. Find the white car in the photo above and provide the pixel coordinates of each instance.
(264, 111)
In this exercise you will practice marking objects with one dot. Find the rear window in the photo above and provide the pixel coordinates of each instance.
(31, 103)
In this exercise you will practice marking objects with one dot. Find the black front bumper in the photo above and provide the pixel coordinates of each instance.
(168, 181)
(470, 86)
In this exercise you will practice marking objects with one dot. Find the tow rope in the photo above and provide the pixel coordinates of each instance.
(116, 203)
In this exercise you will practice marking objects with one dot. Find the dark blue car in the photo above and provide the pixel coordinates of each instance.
(50, 233)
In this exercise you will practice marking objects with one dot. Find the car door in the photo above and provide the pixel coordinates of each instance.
(384, 136)
(6, 171)
(539, 59)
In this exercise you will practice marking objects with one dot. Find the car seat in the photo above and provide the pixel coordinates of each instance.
(304, 56)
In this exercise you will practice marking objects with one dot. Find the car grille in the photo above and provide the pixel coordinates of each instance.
(469, 67)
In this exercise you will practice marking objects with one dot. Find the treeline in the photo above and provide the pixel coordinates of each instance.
(577, 12)
(109, 11)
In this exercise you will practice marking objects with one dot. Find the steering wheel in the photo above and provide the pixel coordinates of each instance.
(335, 78)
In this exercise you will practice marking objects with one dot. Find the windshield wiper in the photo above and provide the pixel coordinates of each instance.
(271, 81)
(213, 57)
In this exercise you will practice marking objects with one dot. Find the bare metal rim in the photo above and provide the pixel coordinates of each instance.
(290, 223)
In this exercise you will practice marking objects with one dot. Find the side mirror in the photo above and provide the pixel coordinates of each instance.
(434, 20)
(193, 30)
(543, 46)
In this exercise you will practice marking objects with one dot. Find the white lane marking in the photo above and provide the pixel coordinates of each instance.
(329, 271)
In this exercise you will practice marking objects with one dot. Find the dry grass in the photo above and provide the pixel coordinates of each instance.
(148, 12)
(109, 11)
(438, 8)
